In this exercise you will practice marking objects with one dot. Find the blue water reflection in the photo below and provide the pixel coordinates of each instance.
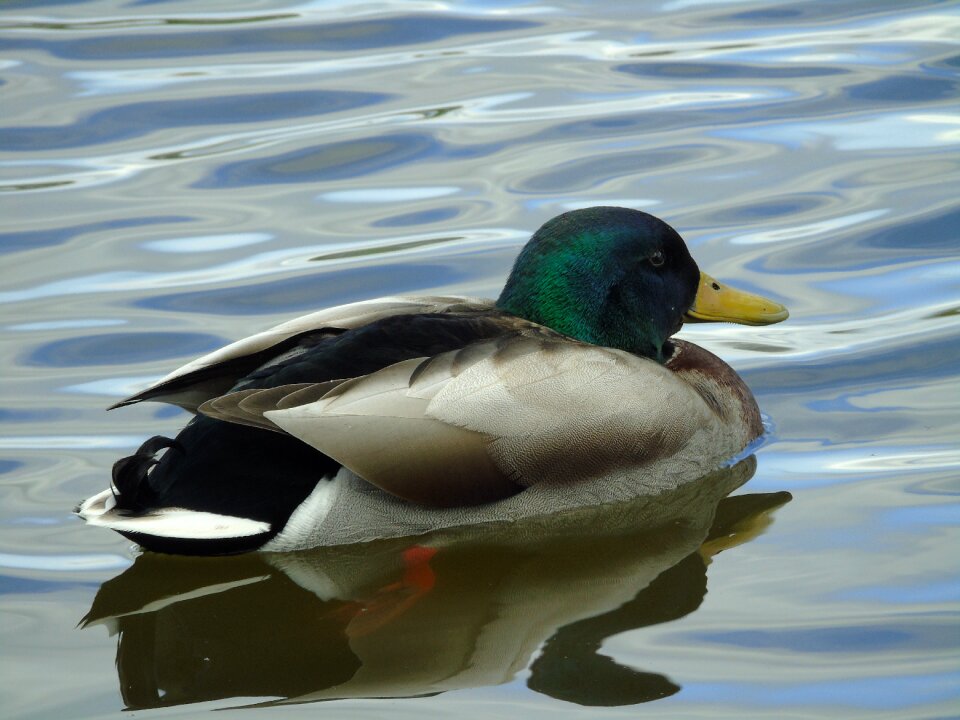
(904, 89)
(874, 694)
(699, 72)
(123, 122)
(34, 239)
(845, 639)
(8, 466)
(303, 293)
(120, 348)
(213, 38)
(336, 161)
(422, 217)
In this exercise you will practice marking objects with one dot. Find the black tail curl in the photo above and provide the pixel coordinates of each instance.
(130, 489)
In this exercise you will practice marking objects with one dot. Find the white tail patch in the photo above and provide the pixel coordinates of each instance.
(171, 522)
(97, 505)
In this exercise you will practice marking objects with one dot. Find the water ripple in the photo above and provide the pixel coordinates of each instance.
(124, 122)
(63, 563)
(269, 38)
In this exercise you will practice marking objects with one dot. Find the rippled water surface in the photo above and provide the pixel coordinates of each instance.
(178, 175)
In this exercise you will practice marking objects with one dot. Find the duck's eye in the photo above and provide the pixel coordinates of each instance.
(657, 259)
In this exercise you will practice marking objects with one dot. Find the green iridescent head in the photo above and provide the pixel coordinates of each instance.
(621, 278)
(605, 275)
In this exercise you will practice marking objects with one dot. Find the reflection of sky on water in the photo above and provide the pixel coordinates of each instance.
(863, 693)
(333, 37)
(207, 243)
(136, 119)
(931, 592)
(888, 132)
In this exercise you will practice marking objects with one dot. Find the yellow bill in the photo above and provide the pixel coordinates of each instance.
(716, 302)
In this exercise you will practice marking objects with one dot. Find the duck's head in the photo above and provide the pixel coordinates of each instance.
(621, 278)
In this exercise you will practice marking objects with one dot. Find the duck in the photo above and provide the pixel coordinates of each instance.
(400, 416)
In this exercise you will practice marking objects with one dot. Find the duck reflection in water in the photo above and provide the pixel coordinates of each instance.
(455, 609)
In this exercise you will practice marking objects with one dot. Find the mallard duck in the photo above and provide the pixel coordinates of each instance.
(398, 416)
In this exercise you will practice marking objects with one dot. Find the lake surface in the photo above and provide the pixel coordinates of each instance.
(176, 177)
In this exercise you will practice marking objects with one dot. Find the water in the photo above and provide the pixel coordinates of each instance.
(176, 176)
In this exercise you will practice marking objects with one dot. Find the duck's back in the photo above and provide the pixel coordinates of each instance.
(234, 471)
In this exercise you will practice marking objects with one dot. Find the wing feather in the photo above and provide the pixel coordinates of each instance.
(247, 407)
(190, 385)
(476, 424)
(571, 410)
